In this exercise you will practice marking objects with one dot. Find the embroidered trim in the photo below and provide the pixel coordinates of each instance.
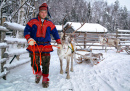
(27, 36)
(58, 41)
(41, 29)
(43, 54)
(42, 48)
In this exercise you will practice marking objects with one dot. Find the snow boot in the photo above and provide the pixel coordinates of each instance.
(38, 76)
(45, 81)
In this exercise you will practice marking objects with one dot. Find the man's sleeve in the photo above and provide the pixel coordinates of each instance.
(55, 34)
(27, 31)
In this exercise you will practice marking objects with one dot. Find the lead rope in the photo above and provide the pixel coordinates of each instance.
(34, 58)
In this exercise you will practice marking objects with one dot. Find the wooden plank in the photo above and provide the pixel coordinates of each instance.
(92, 41)
(86, 50)
(124, 45)
(124, 31)
(14, 26)
(3, 45)
(102, 49)
(92, 38)
(16, 64)
(124, 41)
(3, 29)
(123, 38)
(89, 45)
(17, 52)
(3, 74)
(3, 60)
(80, 41)
(124, 34)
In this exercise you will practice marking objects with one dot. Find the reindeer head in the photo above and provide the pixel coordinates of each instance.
(66, 39)
(70, 37)
(102, 40)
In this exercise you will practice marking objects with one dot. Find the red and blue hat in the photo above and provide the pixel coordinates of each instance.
(44, 6)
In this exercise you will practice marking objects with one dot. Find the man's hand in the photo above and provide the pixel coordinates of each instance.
(31, 41)
(59, 46)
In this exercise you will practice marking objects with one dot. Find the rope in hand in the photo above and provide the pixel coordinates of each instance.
(40, 52)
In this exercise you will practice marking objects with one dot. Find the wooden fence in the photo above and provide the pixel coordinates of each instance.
(91, 40)
(11, 48)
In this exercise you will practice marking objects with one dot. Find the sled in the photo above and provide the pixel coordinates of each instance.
(127, 49)
(94, 58)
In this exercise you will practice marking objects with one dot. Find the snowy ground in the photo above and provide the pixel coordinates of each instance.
(112, 74)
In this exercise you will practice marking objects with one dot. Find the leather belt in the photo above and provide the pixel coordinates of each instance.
(41, 42)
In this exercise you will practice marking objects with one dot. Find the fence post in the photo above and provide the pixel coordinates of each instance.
(116, 33)
(85, 35)
(2, 52)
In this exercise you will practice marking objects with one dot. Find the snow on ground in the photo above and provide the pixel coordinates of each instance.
(112, 74)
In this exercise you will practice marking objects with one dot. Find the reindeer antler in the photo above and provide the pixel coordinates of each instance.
(79, 27)
(65, 28)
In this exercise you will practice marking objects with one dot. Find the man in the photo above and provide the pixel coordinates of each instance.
(37, 32)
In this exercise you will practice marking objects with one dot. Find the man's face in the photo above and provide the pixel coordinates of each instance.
(43, 14)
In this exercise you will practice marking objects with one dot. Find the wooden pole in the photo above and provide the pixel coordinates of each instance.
(116, 33)
(85, 35)
(2, 37)
(3, 63)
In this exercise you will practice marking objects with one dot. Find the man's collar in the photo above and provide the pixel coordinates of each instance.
(40, 18)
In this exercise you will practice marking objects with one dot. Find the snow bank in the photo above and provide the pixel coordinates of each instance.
(112, 74)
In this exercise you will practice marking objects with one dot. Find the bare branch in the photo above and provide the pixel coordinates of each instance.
(18, 10)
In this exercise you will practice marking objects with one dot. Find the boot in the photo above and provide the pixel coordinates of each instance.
(45, 81)
(38, 76)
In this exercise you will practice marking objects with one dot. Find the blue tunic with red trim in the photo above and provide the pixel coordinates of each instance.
(40, 32)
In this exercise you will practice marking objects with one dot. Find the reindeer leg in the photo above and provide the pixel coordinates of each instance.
(105, 48)
(72, 63)
(61, 70)
(68, 60)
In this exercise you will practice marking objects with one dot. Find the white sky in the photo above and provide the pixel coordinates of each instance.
(122, 3)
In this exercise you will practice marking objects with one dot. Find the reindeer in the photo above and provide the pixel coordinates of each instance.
(67, 50)
(109, 42)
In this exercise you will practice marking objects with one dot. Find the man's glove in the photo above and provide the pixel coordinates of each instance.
(31, 41)
(59, 46)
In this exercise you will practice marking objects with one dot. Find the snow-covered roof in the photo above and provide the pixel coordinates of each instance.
(3, 29)
(59, 27)
(87, 27)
